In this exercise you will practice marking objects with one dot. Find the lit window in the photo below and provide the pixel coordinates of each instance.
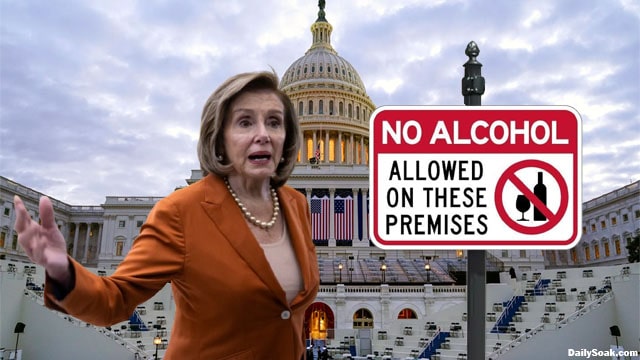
(332, 148)
(617, 245)
(596, 251)
(603, 224)
(614, 221)
(607, 251)
(593, 227)
(119, 247)
(587, 253)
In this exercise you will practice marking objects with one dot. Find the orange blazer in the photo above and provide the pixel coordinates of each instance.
(229, 304)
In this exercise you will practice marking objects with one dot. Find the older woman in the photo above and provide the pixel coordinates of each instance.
(236, 246)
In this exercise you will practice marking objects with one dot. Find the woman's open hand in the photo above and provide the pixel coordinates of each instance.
(43, 243)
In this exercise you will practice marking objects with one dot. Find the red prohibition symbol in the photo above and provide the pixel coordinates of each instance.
(552, 218)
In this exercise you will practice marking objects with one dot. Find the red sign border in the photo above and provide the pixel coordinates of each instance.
(480, 243)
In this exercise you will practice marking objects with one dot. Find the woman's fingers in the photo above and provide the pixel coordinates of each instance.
(22, 216)
(47, 219)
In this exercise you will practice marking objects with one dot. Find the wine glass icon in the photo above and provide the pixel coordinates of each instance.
(523, 204)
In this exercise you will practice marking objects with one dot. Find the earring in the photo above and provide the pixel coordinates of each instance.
(219, 157)
(281, 160)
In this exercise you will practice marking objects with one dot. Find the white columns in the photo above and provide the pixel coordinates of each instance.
(86, 243)
(75, 240)
(326, 146)
(350, 154)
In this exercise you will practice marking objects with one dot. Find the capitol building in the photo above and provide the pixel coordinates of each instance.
(372, 303)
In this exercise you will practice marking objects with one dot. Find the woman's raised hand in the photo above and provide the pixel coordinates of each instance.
(43, 243)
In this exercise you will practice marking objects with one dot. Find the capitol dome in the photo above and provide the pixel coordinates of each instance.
(331, 102)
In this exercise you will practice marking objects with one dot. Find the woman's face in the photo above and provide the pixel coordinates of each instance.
(254, 134)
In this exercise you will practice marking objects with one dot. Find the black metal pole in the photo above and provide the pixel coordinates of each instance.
(472, 90)
(16, 350)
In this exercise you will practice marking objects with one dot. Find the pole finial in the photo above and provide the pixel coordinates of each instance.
(473, 81)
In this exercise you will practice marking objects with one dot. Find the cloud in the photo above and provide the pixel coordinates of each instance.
(104, 98)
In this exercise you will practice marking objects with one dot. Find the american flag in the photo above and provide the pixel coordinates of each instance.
(318, 153)
(343, 217)
(320, 218)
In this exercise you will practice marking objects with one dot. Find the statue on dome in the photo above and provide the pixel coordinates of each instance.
(321, 4)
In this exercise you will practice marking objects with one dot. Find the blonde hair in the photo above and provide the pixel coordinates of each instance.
(215, 114)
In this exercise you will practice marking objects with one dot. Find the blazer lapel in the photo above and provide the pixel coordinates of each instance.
(293, 215)
(224, 212)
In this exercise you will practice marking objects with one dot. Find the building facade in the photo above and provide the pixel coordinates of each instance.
(363, 286)
(609, 222)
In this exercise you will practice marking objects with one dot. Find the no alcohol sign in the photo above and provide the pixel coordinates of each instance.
(475, 177)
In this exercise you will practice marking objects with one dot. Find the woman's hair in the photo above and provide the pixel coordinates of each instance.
(216, 112)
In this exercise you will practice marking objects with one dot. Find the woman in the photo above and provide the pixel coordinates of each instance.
(236, 246)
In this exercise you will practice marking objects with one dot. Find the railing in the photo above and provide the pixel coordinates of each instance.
(37, 297)
(507, 314)
(551, 326)
(434, 344)
(372, 290)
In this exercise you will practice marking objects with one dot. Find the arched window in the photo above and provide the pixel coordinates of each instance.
(310, 107)
(349, 111)
(362, 319)
(340, 109)
(300, 108)
(407, 313)
(358, 112)
(330, 107)
(319, 321)
(320, 107)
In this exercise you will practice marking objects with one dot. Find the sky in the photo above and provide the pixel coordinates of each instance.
(103, 98)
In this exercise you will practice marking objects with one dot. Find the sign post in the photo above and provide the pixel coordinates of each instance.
(472, 90)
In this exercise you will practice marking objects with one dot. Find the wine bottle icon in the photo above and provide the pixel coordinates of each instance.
(540, 191)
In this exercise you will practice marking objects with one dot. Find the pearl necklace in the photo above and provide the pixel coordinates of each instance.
(266, 225)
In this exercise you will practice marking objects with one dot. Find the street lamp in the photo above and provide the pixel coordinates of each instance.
(427, 268)
(157, 341)
(340, 268)
(383, 269)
